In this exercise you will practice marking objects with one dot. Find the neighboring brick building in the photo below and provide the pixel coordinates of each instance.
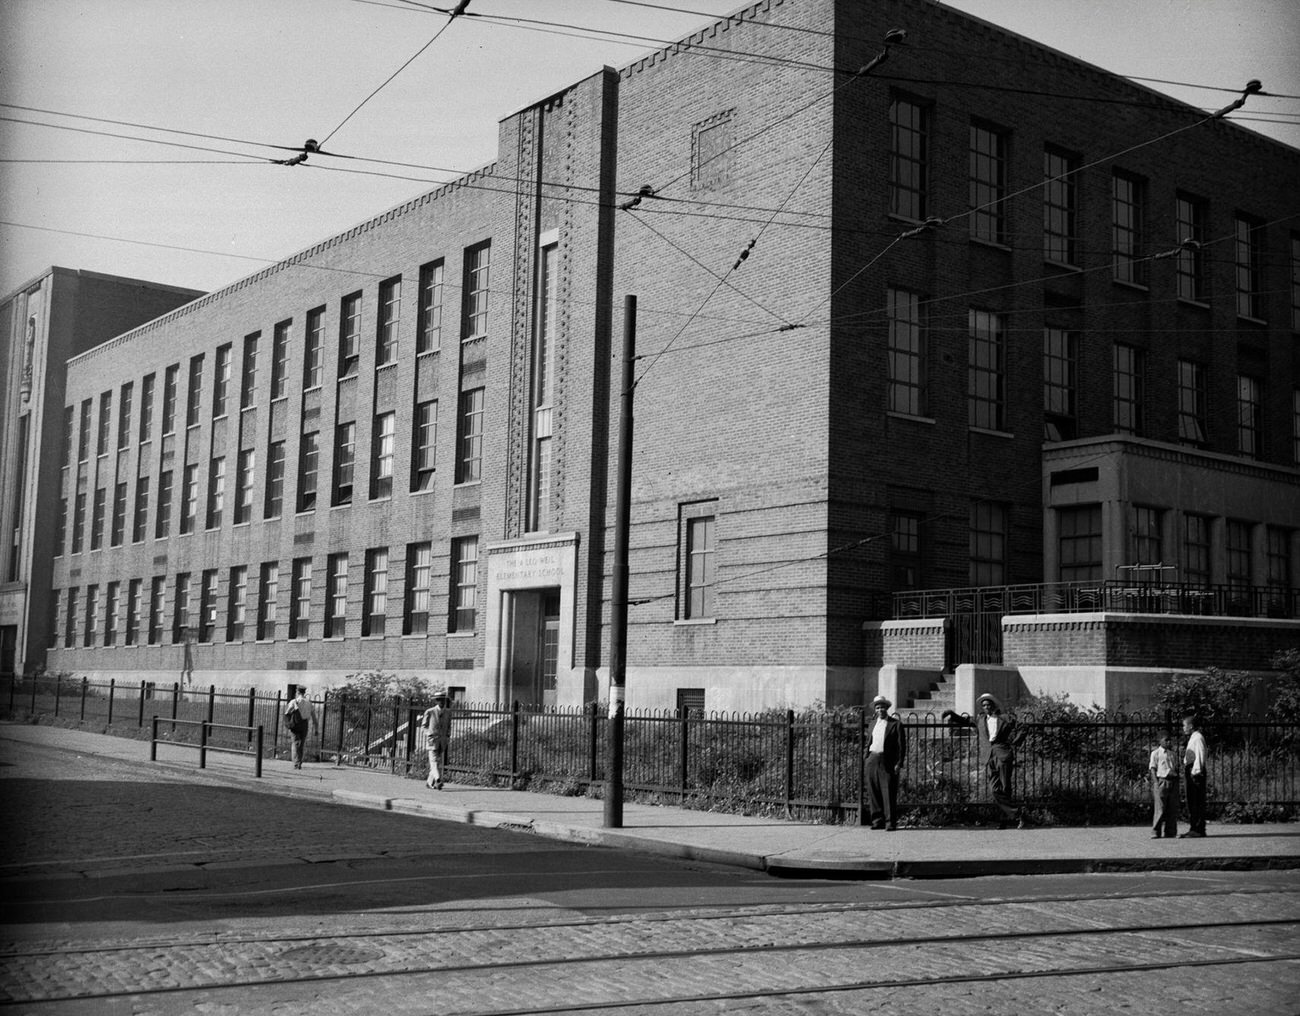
(928, 326)
(58, 314)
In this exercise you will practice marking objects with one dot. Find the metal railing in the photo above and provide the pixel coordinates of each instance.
(206, 742)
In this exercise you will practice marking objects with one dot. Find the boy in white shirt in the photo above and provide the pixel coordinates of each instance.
(1164, 790)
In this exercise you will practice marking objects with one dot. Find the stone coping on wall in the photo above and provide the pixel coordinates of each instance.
(1113, 617)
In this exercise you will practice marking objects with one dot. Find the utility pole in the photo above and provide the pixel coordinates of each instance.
(618, 590)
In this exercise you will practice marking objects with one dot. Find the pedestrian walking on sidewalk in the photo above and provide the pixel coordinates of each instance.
(1194, 775)
(999, 736)
(1164, 789)
(437, 735)
(886, 748)
(301, 720)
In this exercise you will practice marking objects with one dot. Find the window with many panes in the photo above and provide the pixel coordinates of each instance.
(349, 334)
(157, 587)
(907, 353)
(194, 395)
(78, 521)
(181, 609)
(419, 580)
(1189, 267)
(221, 370)
(428, 329)
(246, 468)
(390, 312)
(698, 561)
(70, 627)
(1148, 541)
(313, 356)
(68, 437)
(105, 423)
(1237, 539)
(189, 498)
(1250, 259)
(345, 462)
(1277, 557)
(905, 550)
(236, 603)
(124, 411)
(336, 596)
(544, 336)
(300, 605)
(985, 375)
(1191, 403)
(478, 264)
(117, 531)
(163, 520)
(280, 359)
(1128, 217)
(424, 458)
(988, 544)
(91, 628)
(83, 439)
(1129, 390)
(381, 455)
(248, 381)
(374, 611)
(55, 607)
(112, 612)
(208, 605)
(1060, 352)
(1078, 540)
(97, 518)
(1250, 416)
(216, 492)
(61, 530)
(908, 158)
(1060, 207)
(463, 615)
(268, 593)
(273, 502)
(134, 604)
(146, 408)
(308, 470)
(170, 376)
(988, 179)
(469, 441)
(1196, 550)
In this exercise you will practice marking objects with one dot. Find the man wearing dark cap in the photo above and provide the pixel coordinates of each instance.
(887, 743)
(999, 735)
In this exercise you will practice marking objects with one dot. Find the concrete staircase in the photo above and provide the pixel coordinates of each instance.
(942, 695)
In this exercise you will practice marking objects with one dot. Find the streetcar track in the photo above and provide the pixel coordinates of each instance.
(662, 955)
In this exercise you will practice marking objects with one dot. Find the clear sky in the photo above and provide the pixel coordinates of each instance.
(258, 72)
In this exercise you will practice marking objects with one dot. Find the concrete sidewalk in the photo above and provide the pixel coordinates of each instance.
(762, 844)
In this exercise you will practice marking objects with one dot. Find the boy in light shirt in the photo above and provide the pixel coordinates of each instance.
(1164, 790)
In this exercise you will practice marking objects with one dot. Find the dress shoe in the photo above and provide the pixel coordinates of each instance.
(1191, 833)
(1155, 836)
(892, 827)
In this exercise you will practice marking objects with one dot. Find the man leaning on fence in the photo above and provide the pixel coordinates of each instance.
(301, 720)
(999, 736)
(887, 746)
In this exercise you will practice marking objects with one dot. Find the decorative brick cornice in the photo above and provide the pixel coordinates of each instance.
(699, 38)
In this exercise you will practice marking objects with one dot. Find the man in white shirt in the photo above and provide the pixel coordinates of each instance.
(1194, 776)
(887, 743)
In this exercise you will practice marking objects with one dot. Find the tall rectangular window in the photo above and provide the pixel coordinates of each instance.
(105, 423)
(1129, 389)
(248, 381)
(273, 503)
(1277, 557)
(1250, 260)
(112, 612)
(1191, 403)
(236, 603)
(419, 579)
(221, 382)
(208, 605)
(268, 592)
(907, 359)
(336, 596)
(170, 376)
(313, 357)
(1060, 207)
(701, 546)
(1190, 265)
(428, 329)
(988, 159)
(308, 467)
(905, 550)
(345, 453)
(539, 468)
(134, 598)
(194, 396)
(469, 443)
(381, 455)
(70, 627)
(1148, 539)
(117, 531)
(300, 606)
(424, 459)
(181, 609)
(1196, 550)
(68, 436)
(97, 518)
(280, 359)
(349, 334)
(55, 615)
(78, 521)
(374, 611)
(247, 469)
(157, 587)
(390, 311)
(1237, 535)
(478, 263)
(1250, 416)
(92, 616)
(124, 411)
(1128, 238)
(83, 441)
(216, 492)
(1060, 350)
(985, 385)
(146, 408)
(908, 158)
(61, 532)
(139, 526)
(1295, 282)
(1079, 543)
(988, 544)
(189, 498)
(163, 520)
(463, 615)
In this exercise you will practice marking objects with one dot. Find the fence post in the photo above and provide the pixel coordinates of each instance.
(514, 742)
(176, 699)
(410, 738)
(257, 768)
(370, 703)
(203, 743)
(592, 739)
(252, 715)
(112, 687)
(153, 740)
(33, 708)
(212, 701)
(275, 741)
(789, 762)
(397, 720)
(58, 686)
(320, 730)
(343, 700)
(685, 741)
(85, 685)
(862, 765)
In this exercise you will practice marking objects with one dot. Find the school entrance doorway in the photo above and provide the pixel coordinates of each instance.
(532, 644)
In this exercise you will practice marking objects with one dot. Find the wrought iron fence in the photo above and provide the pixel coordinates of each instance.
(806, 765)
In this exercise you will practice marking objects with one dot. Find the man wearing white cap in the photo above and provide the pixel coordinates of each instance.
(887, 746)
(999, 735)
(436, 722)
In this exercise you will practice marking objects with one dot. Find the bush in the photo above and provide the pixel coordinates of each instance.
(1285, 707)
(1214, 695)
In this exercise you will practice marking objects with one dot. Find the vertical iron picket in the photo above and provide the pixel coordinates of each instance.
(112, 684)
(85, 686)
(140, 718)
(212, 701)
(514, 741)
(343, 712)
(252, 707)
(57, 685)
